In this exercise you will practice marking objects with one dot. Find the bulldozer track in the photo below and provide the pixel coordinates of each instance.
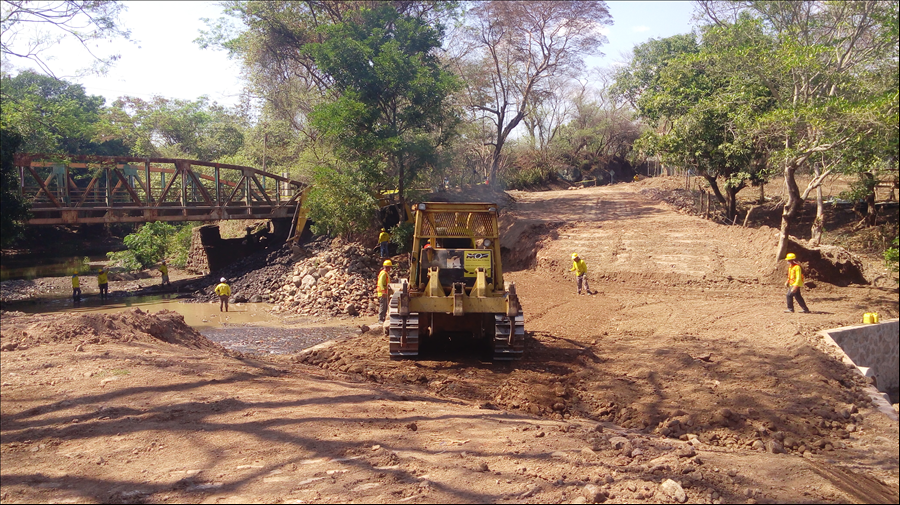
(509, 337)
(858, 487)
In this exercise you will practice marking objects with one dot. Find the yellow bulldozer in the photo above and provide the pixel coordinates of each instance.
(455, 283)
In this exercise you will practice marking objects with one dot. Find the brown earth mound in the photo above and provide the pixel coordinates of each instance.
(828, 263)
(134, 325)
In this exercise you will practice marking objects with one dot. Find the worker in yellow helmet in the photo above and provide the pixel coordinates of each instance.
(580, 269)
(383, 289)
(103, 283)
(224, 291)
(384, 239)
(794, 283)
(76, 288)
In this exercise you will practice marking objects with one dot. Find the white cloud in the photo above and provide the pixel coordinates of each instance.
(640, 28)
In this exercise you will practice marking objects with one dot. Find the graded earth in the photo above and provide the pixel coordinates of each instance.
(679, 380)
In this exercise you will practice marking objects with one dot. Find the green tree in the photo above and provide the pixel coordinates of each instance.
(14, 209)
(392, 107)
(54, 116)
(164, 127)
(700, 114)
(146, 247)
(830, 68)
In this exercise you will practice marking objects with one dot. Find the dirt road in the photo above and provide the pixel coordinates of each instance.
(682, 367)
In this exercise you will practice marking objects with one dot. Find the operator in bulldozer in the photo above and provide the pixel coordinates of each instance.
(383, 289)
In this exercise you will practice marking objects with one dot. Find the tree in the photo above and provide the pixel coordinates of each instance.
(176, 128)
(831, 70)
(54, 116)
(147, 246)
(510, 52)
(30, 27)
(392, 107)
(699, 112)
(14, 209)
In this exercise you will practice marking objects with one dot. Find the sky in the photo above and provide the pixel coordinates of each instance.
(163, 59)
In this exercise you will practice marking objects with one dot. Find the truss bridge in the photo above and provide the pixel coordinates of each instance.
(75, 189)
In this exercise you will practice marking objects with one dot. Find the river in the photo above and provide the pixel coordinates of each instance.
(246, 327)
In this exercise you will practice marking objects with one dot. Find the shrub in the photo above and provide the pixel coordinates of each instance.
(150, 245)
(402, 235)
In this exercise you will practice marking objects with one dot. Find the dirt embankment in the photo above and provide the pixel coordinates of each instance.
(680, 379)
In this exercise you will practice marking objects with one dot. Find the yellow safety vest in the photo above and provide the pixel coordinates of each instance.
(795, 276)
(579, 267)
(384, 237)
(223, 289)
(101, 278)
(75, 282)
(163, 269)
(382, 286)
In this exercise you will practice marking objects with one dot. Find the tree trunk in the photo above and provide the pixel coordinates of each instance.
(790, 209)
(715, 189)
(762, 193)
(871, 211)
(819, 223)
(731, 204)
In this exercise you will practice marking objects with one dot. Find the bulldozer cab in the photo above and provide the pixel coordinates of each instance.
(458, 239)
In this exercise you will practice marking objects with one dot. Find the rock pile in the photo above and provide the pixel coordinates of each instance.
(337, 281)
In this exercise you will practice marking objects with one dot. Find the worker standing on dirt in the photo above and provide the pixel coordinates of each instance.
(164, 270)
(76, 288)
(383, 289)
(224, 291)
(794, 283)
(580, 269)
(384, 238)
(103, 283)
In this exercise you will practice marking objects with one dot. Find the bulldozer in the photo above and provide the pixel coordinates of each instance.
(455, 283)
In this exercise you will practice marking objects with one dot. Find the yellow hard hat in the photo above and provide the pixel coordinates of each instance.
(388, 263)
(790, 256)
(382, 229)
(574, 255)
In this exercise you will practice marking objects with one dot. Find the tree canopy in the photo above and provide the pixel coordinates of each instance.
(54, 116)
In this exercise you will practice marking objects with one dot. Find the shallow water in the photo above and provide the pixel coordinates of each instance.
(246, 327)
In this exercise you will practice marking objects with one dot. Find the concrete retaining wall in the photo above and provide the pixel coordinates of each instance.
(873, 348)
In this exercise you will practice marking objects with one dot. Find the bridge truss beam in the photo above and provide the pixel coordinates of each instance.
(74, 189)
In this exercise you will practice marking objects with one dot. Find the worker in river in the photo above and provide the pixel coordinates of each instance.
(164, 270)
(224, 291)
(794, 283)
(103, 283)
(76, 288)
(384, 239)
(580, 269)
(383, 289)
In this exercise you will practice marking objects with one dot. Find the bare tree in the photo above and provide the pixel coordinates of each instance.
(31, 27)
(511, 50)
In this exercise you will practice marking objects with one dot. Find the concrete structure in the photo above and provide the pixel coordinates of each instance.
(873, 349)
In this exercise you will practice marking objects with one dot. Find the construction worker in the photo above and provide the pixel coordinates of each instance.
(383, 289)
(580, 269)
(224, 291)
(164, 270)
(76, 288)
(384, 238)
(794, 283)
(103, 283)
